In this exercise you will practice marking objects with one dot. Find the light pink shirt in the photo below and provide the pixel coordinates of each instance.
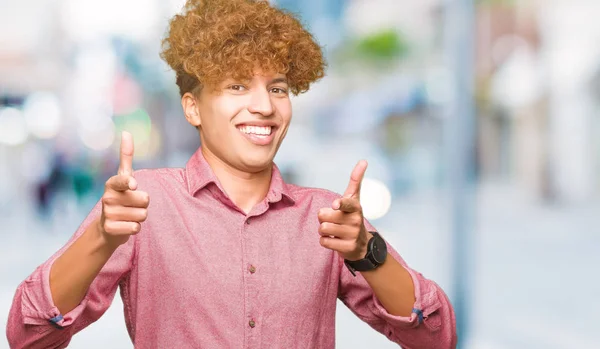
(203, 274)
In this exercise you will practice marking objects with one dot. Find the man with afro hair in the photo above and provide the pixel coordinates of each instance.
(223, 253)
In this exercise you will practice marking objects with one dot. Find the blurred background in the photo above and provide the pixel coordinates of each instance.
(480, 121)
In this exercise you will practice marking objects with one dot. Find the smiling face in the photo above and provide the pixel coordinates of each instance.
(242, 123)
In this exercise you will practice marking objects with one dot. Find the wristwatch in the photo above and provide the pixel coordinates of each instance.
(376, 255)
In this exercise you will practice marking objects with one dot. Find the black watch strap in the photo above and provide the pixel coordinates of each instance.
(369, 262)
(360, 265)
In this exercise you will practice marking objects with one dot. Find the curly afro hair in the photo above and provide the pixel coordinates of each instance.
(213, 40)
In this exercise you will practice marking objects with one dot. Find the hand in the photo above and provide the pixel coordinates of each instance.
(123, 207)
(342, 226)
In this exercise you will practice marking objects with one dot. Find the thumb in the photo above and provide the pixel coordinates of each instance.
(353, 189)
(126, 157)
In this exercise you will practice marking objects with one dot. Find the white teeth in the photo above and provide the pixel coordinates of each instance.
(256, 130)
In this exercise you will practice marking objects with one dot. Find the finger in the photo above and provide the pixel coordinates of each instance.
(347, 205)
(353, 189)
(339, 231)
(121, 183)
(125, 214)
(343, 246)
(121, 228)
(126, 157)
(139, 199)
(328, 214)
(338, 216)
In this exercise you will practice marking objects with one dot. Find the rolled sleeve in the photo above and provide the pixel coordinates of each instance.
(35, 321)
(431, 325)
(37, 305)
(424, 310)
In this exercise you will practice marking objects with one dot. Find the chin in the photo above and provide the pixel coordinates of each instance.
(256, 161)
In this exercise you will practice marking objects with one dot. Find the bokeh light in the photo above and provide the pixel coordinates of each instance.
(42, 114)
(99, 137)
(88, 19)
(36, 162)
(74, 73)
(375, 198)
(13, 129)
(139, 124)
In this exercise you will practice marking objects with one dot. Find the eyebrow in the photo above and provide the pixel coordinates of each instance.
(277, 80)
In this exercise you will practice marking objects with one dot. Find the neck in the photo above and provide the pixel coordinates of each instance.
(243, 188)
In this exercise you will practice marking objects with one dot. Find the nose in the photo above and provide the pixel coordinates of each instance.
(260, 103)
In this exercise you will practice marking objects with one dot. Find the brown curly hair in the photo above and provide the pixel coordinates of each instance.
(216, 39)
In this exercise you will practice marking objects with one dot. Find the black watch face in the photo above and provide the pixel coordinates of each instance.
(379, 250)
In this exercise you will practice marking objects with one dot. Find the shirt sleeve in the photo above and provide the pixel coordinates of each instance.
(35, 322)
(432, 324)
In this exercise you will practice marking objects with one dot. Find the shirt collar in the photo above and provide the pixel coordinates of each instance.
(199, 174)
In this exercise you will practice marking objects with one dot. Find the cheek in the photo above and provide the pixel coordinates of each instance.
(225, 110)
(284, 108)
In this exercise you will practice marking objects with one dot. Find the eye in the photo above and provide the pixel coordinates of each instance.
(278, 90)
(237, 87)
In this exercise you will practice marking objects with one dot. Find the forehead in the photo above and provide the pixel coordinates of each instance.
(259, 76)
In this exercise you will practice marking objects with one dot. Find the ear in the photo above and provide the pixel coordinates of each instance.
(190, 109)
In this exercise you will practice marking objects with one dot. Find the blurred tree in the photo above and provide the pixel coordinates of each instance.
(386, 44)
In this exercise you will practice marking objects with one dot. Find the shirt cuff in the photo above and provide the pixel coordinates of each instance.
(37, 305)
(426, 303)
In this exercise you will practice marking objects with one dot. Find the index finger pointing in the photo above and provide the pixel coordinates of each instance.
(126, 157)
(347, 205)
(353, 189)
(121, 183)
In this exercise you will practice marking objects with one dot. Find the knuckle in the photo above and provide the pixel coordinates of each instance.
(108, 199)
(323, 241)
(135, 228)
(349, 204)
(321, 213)
(109, 210)
(109, 227)
(111, 182)
(146, 200)
(144, 215)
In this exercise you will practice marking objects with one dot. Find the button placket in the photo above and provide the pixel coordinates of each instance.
(250, 242)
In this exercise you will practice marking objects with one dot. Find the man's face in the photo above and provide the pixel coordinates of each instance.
(244, 122)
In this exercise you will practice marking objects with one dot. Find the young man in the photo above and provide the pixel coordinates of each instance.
(224, 253)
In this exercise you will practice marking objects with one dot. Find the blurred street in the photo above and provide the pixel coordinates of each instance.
(536, 285)
(480, 121)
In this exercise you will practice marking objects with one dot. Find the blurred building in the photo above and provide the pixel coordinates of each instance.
(73, 73)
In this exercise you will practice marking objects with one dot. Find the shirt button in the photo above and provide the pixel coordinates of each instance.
(248, 221)
(252, 269)
(252, 323)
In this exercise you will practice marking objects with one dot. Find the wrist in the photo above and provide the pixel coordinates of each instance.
(375, 255)
(364, 245)
(102, 241)
(362, 248)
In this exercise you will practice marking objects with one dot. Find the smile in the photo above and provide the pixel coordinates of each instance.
(256, 130)
(259, 135)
